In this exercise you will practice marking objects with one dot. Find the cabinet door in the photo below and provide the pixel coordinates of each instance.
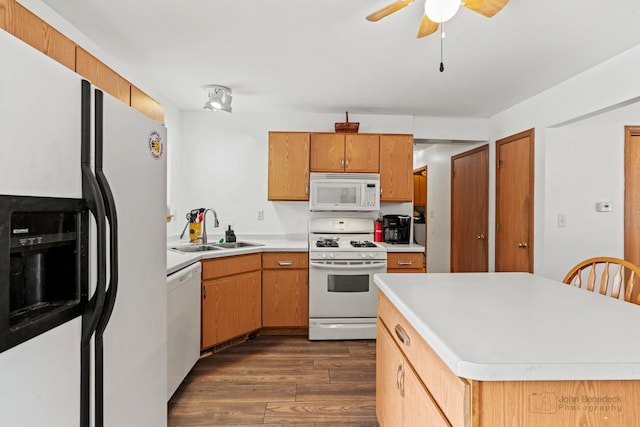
(327, 152)
(285, 298)
(396, 168)
(362, 153)
(419, 407)
(419, 190)
(208, 337)
(288, 166)
(405, 262)
(389, 365)
(231, 306)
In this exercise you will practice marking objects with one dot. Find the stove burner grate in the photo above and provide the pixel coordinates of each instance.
(327, 243)
(363, 244)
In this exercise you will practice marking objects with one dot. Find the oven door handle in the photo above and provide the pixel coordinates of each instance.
(352, 265)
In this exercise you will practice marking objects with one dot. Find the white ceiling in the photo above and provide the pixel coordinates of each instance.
(322, 56)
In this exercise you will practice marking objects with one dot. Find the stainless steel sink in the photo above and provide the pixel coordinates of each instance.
(194, 248)
(236, 245)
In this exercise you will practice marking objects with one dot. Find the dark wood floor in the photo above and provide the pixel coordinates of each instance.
(275, 380)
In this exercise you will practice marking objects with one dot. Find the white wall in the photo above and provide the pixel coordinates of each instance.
(607, 87)
(585, 165)
(224, 159)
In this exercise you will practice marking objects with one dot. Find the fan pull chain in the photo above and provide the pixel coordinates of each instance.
(441, 49)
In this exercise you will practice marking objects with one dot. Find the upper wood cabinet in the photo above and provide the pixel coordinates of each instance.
(288, 166)
(396, 168)
(89, 67)
(26, 26)
(29, 28)
(146, 105)
(336, 152)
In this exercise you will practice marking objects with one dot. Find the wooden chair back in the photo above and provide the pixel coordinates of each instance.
(609, 284)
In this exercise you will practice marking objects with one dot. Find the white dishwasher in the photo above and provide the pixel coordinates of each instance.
(183, 324)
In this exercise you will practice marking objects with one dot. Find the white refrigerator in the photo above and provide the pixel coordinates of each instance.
(40, 155)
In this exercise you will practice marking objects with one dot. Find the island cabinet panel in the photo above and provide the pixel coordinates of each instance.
(556, 403)
(405, 262)
(285, 289)
(288, 166)
(396, 168)
(231, 298)
(401, 399)
(451, 393)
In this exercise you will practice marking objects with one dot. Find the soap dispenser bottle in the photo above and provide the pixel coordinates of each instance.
(230, 235)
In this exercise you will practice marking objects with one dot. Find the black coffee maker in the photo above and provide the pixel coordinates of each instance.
(396, 228)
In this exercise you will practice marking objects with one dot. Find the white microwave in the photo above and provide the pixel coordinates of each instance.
(344, 192)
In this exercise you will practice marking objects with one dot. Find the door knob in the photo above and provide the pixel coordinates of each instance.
(523, 244)
(480, 237)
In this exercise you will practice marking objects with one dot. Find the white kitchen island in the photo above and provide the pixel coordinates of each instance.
(509, 349)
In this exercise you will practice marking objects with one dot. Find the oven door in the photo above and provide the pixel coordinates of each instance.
(343, 288)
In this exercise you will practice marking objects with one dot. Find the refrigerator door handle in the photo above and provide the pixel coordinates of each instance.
(111, 291)
(93, 198)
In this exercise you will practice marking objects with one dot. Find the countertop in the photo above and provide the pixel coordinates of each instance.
(402, 247)
(518, 326)
(178, 260)
(269, 243)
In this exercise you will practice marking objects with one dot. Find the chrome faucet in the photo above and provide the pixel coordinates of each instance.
(204, 224)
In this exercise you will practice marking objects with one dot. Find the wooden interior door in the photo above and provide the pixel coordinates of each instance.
(514, 202)
(632, 196)
(470, 210)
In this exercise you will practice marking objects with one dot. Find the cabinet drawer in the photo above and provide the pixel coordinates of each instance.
(285, 260)
(398, 261)
(450, 392)
(220, 267)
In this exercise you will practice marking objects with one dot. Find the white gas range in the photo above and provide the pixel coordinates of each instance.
(342, 261)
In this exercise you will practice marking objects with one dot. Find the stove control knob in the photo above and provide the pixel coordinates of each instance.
(332, 255)
(363, 255)
(324, 255)
(371, 255)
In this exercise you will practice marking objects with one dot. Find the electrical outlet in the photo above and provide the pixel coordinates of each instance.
(603, 207)
(260, 215)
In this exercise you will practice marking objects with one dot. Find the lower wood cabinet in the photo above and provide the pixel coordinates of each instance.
(439, 398)
(405, 262)
(285, 289)
(401, 399)
(231, 298)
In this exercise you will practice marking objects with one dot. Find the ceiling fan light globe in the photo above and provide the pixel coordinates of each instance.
(441, 10)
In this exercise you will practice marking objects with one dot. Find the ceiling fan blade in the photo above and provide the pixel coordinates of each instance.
(427, 26)
(487, 8)
(386, 11)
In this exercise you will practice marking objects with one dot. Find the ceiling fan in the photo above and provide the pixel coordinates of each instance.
(438, 11)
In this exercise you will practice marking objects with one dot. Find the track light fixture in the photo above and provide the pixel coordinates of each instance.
(219, 98)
